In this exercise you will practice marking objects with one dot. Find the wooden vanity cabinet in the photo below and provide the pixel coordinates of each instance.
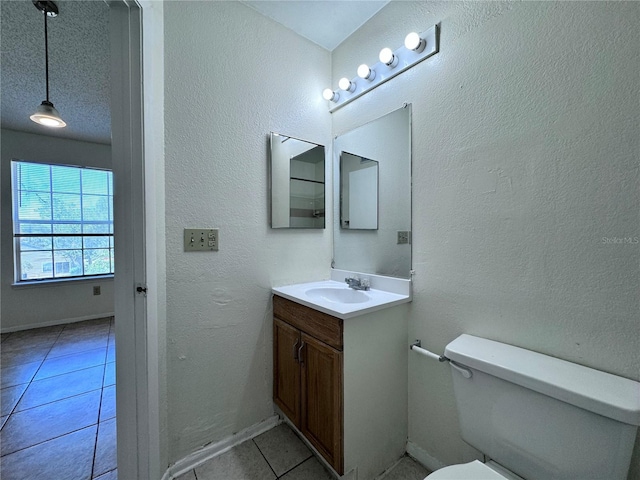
(308, 375)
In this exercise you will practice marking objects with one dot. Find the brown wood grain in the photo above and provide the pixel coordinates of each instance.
(320, 325)
(286, 370)
(322, 394)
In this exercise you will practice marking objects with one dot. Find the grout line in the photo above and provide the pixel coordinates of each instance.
(265, 458)
(13, 412)
(293, 468)
(49, 439)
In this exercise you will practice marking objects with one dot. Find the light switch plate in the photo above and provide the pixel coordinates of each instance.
(201, 239)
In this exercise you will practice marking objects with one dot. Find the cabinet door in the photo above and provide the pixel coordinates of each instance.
(321, 420)
(286, 369)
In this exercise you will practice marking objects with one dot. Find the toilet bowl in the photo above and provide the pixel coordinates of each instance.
(475, 470)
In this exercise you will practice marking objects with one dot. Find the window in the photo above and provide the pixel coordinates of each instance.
(62, 221)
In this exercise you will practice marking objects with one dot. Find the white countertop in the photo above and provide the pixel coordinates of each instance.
(376, 299)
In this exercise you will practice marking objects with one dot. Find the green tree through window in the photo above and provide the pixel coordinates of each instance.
(62, 221)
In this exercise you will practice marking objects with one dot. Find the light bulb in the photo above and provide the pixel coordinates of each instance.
(388, 58)
(413, 42)
(365, 72)
(347, 85)
(330, 95)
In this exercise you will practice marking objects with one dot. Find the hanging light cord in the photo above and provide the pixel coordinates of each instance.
(46, 53)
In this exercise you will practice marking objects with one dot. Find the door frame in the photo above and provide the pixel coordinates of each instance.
(139, 235)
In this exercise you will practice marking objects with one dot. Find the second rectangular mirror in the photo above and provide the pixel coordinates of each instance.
(297, 183)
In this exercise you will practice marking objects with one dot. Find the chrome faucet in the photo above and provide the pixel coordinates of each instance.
(358, 283)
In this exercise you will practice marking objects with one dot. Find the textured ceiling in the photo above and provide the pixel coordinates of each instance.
(327, 23)
(79, 56)
(78, 68)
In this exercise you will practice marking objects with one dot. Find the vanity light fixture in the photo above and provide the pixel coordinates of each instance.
(347, 85)
(330, 95)
(388, 58)
(366, 73)
(416, 47)
(46, 114)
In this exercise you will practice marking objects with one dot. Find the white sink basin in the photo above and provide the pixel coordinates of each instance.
(337, 299)
(337, 295)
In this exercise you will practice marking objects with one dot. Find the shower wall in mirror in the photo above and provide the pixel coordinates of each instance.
(385, 143)
(297, 183)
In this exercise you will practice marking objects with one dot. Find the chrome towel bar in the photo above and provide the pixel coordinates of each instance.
(417, 347)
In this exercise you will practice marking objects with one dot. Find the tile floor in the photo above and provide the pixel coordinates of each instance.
(280, 454)
(57, 416)
(57, 408)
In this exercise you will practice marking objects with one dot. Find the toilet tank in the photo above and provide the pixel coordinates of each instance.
(542, 417)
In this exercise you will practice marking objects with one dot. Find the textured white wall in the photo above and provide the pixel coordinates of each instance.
(525, 156)
(231, 77)
(29, 307)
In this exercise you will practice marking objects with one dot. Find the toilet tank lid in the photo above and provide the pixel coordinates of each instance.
(599, 392)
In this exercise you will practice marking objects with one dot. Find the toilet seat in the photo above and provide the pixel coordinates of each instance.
(475, 470)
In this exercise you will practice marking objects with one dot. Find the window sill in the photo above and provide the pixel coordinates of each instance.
(60, 281)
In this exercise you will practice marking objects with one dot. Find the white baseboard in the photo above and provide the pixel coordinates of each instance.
(421, 456)
(52, 323)
(208, 452)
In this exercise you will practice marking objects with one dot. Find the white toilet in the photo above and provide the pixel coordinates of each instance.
(539, 417)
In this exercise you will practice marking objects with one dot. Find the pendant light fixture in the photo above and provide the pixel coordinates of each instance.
(46, 114)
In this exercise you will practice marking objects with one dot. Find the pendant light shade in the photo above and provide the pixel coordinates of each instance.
(46, 114)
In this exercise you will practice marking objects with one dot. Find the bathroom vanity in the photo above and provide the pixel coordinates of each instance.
(340, 379)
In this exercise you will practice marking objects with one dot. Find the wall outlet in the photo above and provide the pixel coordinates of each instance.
(201, 239)
(404, 236)
(96, 290)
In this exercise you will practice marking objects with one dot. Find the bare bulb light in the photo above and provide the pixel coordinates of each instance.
(347, 85)
(414, 42)
(365, 72)
(388, 58)
(330, 95)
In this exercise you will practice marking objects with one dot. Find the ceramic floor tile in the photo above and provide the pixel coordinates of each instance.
(110, 374)
(282, 448)
(3, 420)
(111, 352)
(11, 358)
(4, 336)
(68, 457)
(69, 363)
(112, 475)
(22, 342)
(9, 397)
(56, 388)
(81, 343)
(77, 334)
(190, 475)
(407, 469)
(108, 403)
(105, 459)
(39, 424)
(18, 374)
(311, 469)
(241, 462)
(97, 323)
(37, 334)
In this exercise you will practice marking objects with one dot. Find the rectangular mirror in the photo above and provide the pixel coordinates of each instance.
(297, 183)
(358, 192)
(382, 247)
